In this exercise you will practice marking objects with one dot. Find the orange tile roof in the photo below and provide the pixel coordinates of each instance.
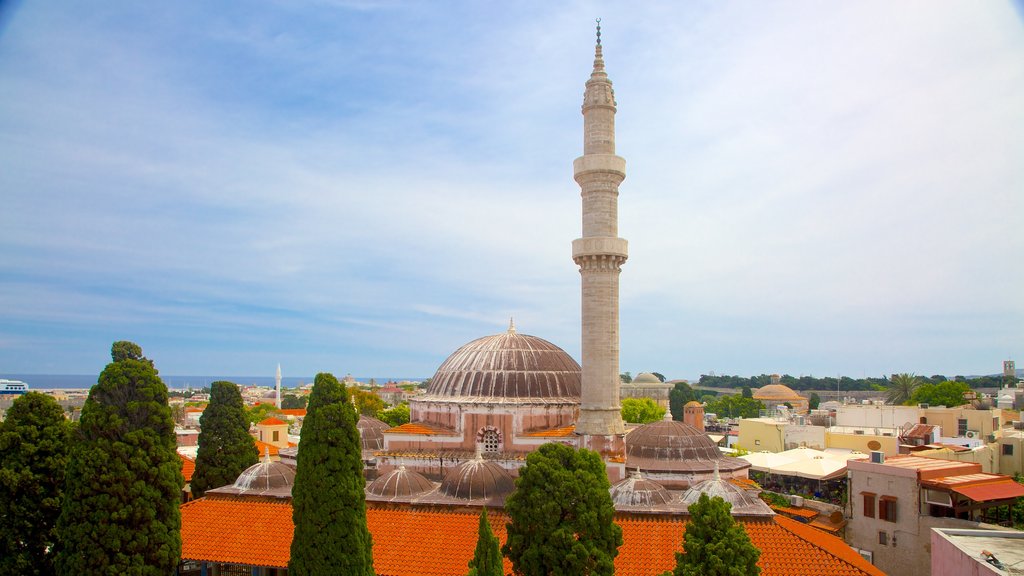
(417, 428)
(292, 411)
(440, 541)
(188, 467)
(273, 422)
(233, 530)
(801, 512)
(194, 409)
(562, 432)
(265, 448)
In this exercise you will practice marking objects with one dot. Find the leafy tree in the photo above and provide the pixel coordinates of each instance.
(291, 401)
(714, 544)
(626, 377)
(34, 443)
(367, 403)
(424, 384)
(746, 392)
(225, 446)
(125, 350)
(678, 396)
(258, 413)
(659, 376)
(641, 410)
(120, 512)
(814, 401)
(734, 406)
(395, 416)
(487, 558)
(562, 518)
(941, 394)
(328, 502)
(901, 388)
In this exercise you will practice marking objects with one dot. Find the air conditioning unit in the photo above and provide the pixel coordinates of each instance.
(796, 500)
(972, 434)
(1018, 424)
(867, 555)
(877, 457)
(922, 406)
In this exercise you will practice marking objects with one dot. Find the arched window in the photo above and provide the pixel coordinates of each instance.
(491, 441)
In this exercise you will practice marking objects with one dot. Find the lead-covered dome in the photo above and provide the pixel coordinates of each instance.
(637, 491)
(400, 483)
(507, 366)
(668, 445)
(477, 479)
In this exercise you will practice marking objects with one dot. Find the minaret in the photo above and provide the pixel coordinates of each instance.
(600, 254)
(277, 386)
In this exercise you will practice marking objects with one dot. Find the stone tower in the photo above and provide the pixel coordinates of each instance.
(600, 254)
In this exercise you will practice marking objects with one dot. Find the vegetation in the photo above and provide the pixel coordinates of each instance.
(641, 410)
(734, 406)
(395, 416)
(367, 403)
(562, 518)
(258, 413)
(714, 544)
(487, 557)
(120, 512)
(34, 443)
(659, 376)
(626, 377)
(291, 401)
(941, 394)
(814, 401)
(328, 502)
(845, 383)
(225, 446)
(678, 396)
(901, 388)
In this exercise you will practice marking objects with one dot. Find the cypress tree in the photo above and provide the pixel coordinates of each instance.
(715, 544)
(328, 501)
(562, 517)
(120, 513)
(225, 446)
(487, 558)
(34, 442)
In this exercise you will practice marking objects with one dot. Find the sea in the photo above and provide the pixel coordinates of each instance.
(86, 381)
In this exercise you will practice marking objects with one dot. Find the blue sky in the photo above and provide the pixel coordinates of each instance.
(363, 186)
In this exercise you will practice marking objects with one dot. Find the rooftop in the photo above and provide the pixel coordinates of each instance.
(272, 422)
(1004, 545)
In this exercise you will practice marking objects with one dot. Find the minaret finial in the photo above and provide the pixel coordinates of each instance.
(598, 31)
(598, 54)
(511, 325)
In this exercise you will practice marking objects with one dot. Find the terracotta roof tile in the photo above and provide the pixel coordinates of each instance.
(439, 541)
(292, 411)
(272, 422)
(188, 467)
(265, 448)
(563, 432)
(417, 428)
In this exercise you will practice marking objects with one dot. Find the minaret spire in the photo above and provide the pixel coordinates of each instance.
(600, 253)
(277, 387)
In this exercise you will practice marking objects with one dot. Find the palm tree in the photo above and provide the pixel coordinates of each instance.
(901, 388)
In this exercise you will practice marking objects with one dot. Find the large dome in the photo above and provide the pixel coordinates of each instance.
(477, 479)
(776, 392)
(507, 366)
(668, 445)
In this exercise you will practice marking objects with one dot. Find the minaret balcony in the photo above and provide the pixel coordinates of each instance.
(599, 163)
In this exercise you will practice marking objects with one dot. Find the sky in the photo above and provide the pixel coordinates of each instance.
(363, 186)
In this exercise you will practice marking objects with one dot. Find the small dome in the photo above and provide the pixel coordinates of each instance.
(776, 392)
(371, 432)
(507, 366)
(646, 378)
(399, 483)
(744, 502)
(638, 491)
(265, 475)
(477, 479)
(693, 404)
(670, 440)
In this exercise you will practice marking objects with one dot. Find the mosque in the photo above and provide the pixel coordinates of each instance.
(491, 403)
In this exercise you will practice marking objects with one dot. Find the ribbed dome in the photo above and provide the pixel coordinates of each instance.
(507, 366)
(646, 378)
(744, 503)
(400, 482)
(670, 440)
(638, 491)
(371, 432)
(265, 475)
(776, 392)
(477, 479)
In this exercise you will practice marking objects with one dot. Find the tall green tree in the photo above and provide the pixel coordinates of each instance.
(814, 401)
(225, 446)
(942, 394)
(714, 543)
(901, 388)
(120, 513)
(328, 502)
(34, 443)
(487, 557)
(678, 396)
(291, 401)
(562, 517)
(641, 410)
(395, 416)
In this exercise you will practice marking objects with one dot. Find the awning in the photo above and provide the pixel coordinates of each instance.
(1002, 490)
